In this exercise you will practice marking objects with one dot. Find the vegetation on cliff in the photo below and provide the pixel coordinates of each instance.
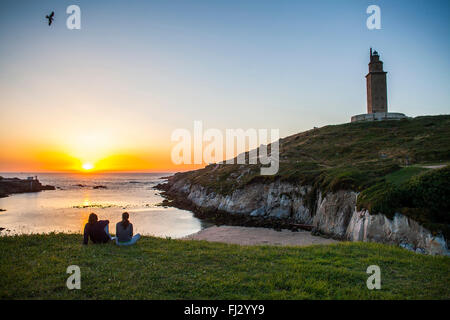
(423, 197)
(34, 267)
(385, 161)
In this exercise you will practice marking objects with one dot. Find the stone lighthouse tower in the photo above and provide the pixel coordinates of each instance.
(376, 85)
(377, 108)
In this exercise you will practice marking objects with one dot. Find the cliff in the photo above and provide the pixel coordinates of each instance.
(359, 182)
(15, 185)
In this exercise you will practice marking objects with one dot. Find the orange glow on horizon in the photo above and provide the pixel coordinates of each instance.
(41, 159)
(87, 154)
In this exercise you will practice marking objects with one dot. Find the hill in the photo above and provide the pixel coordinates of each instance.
(390, 164)
(351, 155)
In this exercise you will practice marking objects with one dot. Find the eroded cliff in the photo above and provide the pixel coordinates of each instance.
(333, 214)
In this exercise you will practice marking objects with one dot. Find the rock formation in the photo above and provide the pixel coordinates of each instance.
(15, 185)
(333, 214)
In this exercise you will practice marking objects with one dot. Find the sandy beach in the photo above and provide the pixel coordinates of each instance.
(258, 236)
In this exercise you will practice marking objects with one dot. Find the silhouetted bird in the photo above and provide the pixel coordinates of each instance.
(50, 17)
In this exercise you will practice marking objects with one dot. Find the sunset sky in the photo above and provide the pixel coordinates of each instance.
(110, 95)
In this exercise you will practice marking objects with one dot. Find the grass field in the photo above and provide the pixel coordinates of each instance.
(34, 267)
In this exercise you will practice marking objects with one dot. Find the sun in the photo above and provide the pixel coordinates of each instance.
(87, 166)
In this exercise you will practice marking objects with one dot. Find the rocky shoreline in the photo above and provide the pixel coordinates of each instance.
(220, 217)
(282, 205)
(15, 185)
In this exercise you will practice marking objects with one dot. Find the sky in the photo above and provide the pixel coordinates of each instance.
(112, 93)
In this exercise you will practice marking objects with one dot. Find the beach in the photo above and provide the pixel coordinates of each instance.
(258, 236)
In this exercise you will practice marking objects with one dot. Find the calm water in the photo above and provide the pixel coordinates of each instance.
(67, 208)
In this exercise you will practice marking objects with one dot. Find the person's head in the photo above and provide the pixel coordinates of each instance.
(93, 218)
(125, 221)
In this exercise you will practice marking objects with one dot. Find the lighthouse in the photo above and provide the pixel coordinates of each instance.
(377, 104)
(376, 85)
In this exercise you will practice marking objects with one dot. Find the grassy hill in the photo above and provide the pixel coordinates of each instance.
(386, 161)
(34, 267)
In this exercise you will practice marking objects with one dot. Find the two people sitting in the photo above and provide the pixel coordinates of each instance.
(98, 231)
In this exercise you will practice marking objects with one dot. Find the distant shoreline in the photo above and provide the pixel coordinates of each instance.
(10, 186)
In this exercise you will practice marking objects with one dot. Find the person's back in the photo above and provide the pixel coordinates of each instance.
(96, 230)
(124, 233)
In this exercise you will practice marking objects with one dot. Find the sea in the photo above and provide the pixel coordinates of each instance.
(67, 208)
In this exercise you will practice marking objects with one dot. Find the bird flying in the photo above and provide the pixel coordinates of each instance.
(50, 17)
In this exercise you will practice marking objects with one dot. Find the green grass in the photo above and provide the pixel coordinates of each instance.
(404, 175)
(34, 267)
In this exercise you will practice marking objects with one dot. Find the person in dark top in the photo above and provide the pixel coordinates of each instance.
(96, 230)
(124, 232)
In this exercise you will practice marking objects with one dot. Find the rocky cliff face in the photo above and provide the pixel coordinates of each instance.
(333, 214)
